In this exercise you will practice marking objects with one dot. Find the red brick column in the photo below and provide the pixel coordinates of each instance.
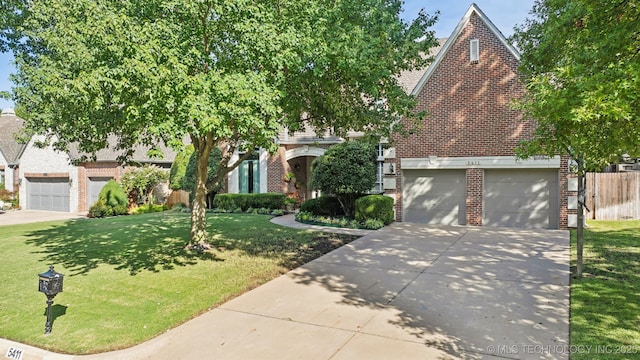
(475, 183)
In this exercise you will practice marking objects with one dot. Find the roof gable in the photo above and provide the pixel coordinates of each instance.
(10, 125)
(473, 9)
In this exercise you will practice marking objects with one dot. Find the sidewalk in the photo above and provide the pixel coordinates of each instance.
(290, 221)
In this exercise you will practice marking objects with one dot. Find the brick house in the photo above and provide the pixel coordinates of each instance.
(459, 168)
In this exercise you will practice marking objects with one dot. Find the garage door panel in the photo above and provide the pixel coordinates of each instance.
(434, 196)
(48, 194)
(521, 198)
(95, 185)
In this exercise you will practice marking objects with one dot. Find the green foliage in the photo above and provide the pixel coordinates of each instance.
(213, 183)
(112, 201)
(373, 224)
(231, 202)
(179, 167)
(10, 197)
(580, 65)
(99, 209)
(149, 208)
(346, 171)
(139, 182)
(229, 74)
(323, 206)
(343, 222)
(374, 207)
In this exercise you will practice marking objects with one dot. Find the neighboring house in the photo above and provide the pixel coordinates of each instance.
(459, 168)
(10, 149)
(57, 181)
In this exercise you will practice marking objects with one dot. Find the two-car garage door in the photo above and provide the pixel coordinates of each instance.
(48, 194)
(523, 198)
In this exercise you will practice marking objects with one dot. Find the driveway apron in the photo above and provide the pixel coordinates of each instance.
(408, 291)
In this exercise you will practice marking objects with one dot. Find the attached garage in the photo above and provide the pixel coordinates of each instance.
(434, 196)
(94, 185)
(48, 194)
(523, 198)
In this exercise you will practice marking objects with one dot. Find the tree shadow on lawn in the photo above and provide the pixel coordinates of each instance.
(133, 243)
(292, 248)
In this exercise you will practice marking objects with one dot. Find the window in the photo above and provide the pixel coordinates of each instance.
(474, 51)
(249, 175)
(2, 179)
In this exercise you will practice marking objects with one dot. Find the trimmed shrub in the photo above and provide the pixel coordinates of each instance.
(231, 202)
(374, 207)
(347, 171)
(112, 201)
(310, 206)
(323, 206)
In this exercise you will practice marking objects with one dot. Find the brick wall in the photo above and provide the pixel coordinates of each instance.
(475, 182)
(470, 114)
(469, 105)
(90, 170)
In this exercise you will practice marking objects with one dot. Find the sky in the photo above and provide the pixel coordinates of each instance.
(505, 14)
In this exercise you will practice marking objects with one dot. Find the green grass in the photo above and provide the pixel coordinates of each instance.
(128, 279)
(605, 303)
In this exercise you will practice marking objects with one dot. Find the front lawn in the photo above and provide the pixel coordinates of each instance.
(605, 303)
(128, 279)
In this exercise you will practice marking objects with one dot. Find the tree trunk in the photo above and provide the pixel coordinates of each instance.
(580, 225)
(198, 237)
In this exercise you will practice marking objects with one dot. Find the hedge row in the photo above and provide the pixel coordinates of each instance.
(323, 206)
(375, 207)
(231, 202)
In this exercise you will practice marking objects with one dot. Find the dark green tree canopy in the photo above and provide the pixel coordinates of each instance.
(179, 167)
(582, 71)
(347, 171)
(228, 74)
(213, 184)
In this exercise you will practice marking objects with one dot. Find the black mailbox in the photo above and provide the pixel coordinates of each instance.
(50, 283)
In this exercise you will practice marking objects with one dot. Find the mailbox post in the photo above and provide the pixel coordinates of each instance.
(50, 283)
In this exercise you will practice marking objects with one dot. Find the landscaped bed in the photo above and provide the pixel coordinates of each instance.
(605, 303)
(128, 279)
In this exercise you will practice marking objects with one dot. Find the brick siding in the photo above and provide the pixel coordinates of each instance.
(470, 114)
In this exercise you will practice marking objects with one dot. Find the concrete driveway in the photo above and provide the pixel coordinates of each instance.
(13, 217)
(404, 292)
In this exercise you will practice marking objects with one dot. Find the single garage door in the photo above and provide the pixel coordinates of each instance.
(521, 198)
(94, 185)
(48, 194)
(434, 196)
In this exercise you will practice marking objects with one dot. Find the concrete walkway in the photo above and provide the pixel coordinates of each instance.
(407, 291)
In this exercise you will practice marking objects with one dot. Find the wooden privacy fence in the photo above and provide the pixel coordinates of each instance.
(178, 196)
(613, 196)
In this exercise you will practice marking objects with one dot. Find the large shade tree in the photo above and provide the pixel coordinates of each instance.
(581, 64)
(222, 73)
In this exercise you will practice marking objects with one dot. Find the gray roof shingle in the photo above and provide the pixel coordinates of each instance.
(10, 125)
